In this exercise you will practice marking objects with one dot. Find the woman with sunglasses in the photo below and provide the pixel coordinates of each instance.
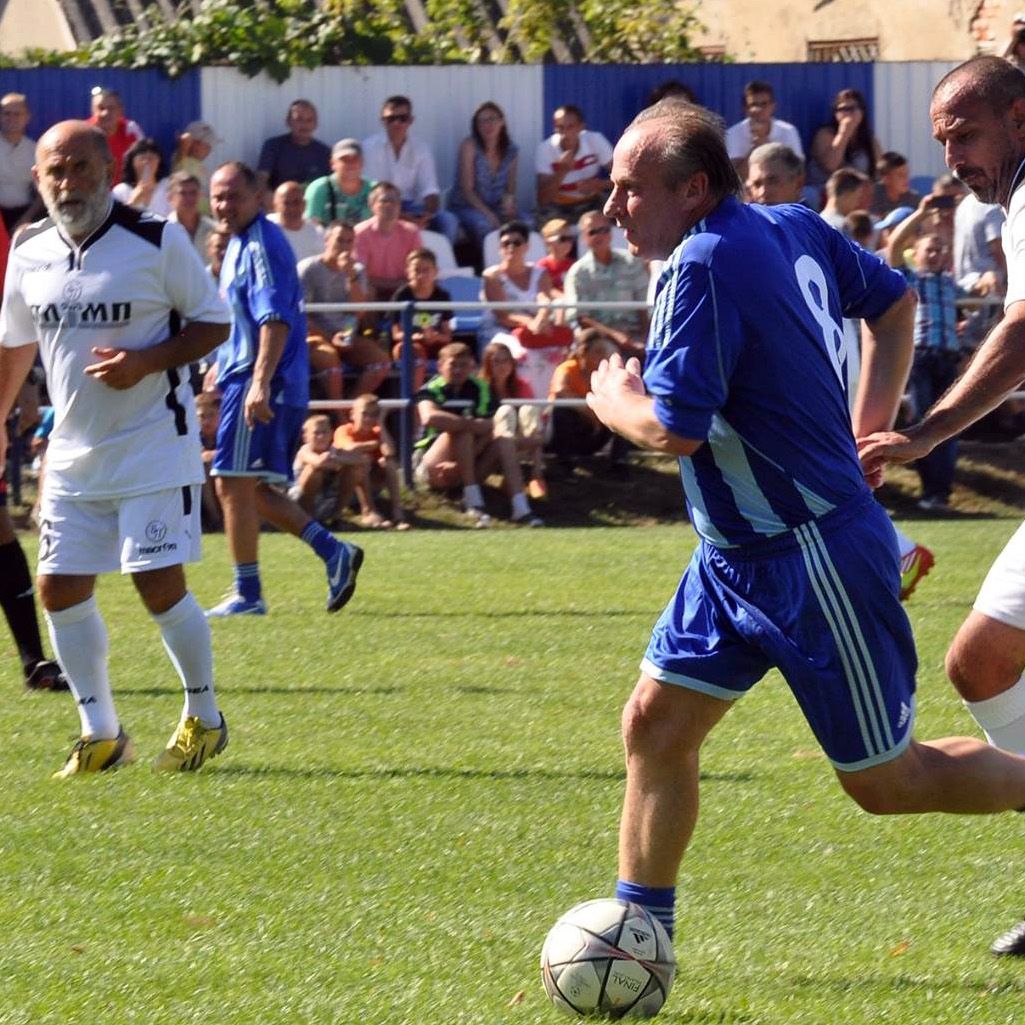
(559, 236)
(847, 141)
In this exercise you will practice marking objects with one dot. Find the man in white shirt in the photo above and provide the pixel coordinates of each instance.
(397, 157)
(305, 237)
(117, 304)
(569, 166)
(759, 127)
(184, 193)
(19, 203)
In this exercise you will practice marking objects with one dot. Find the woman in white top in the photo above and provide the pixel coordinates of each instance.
(537, 338)
(143, 182)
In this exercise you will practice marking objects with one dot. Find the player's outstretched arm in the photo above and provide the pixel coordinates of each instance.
(887, 348)
(125, 368)
(617, 397)
(15, 363)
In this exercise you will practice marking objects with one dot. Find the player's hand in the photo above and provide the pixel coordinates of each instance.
(257, 406)
(612, 382)
(876, 450)
(119, 368)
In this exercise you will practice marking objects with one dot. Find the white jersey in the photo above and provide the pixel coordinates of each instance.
(1013, 233)
(131, 285)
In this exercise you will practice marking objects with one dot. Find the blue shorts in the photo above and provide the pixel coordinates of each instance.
(820, 603)
(264, 450)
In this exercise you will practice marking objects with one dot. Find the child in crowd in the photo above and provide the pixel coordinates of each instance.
(432, 329)
(560, 237)
(208, 413)
(366, 434)
(325, 478)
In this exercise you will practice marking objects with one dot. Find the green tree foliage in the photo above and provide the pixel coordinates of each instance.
(277, 35)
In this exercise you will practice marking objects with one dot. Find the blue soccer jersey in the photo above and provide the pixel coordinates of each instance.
(260, 284)
(746, 352)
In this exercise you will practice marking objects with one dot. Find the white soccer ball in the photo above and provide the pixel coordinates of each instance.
(608, 957)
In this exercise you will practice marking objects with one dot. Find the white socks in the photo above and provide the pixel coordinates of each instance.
(1002, 718)
(186, 634)
(79, 638)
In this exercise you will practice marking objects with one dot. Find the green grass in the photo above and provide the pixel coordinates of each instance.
(416, 788)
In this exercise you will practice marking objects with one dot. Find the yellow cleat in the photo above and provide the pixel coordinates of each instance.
(96, 755)
(190, 745)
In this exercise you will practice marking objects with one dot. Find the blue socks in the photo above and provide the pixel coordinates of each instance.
(660, 902)
(247, 580)
(322, 541)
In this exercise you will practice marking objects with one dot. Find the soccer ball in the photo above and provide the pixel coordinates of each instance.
(608, 957)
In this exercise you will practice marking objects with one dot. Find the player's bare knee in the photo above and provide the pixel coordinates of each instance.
(869, 795)
(656, 724)
(893, 788)
(979, 664)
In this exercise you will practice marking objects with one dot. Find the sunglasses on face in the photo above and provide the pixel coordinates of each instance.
(512, 242)
(559, 238)
(598, 231)
(395, 119)
(847, 108)
(488, 119)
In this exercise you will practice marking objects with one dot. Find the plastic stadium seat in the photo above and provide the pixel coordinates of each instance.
(464, 289)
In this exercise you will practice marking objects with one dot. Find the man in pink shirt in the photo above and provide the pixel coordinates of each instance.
(383, 241)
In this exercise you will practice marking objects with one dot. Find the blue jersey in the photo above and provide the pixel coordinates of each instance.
(260, 284)
(746, 352)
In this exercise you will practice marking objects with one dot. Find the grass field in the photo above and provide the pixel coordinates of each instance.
(416, 788)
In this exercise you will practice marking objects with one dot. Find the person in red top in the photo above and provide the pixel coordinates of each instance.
(108, 114)
(365, 433)
(384, 241)
(559, 236)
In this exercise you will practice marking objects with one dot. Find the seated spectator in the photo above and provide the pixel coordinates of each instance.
(859, 227)
(344, 194)
(761, 126)
(671, 87)
(846, 190)
(432, 329)
(295, 156)
(576, 431)
(408, 163)
(195, 144)
(485, 190)
(938, 354)
(183, 196)
(884, 228)
(216, 247)
(108, 114)
(569, 166)
(604, 273)
(325, 478)
(384, 241)
(143, 182)
(334, 339)
(560, 237)
(775, 174)
(305, 237)
(19, 203)
(892, 188)
(208, 413)
(521, 423)
(536, 337)
(366, 434)
(459, 447)
(847, 141)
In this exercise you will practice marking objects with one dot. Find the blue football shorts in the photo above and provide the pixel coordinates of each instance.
(263, 450)
(822, 604)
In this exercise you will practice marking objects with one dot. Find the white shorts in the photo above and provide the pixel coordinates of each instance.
(80, 537)
(1002, 595)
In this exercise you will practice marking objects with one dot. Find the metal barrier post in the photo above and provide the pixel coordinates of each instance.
(406, 391)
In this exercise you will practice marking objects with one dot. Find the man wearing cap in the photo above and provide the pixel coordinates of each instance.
(194, 145)
(343, 195)
(108, 114)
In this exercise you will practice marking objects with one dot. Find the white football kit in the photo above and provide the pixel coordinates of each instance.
(131, 285)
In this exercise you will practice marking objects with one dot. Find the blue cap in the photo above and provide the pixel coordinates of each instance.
(894, 217)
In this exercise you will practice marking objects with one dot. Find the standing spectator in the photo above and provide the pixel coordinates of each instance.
(612, 274)
(892, 187)
(334, 339)
(143, 182)
(559, 236)
(570, 165)
(485, 190)
(937, 347)
(432, 329)
(459, 446)
(775, 174)
(108, 114)
(19, 203)
(183, 196)
(344, 194)
(385, 240)
(847, 141)
(761, 126)
(295, 156)
(980, 266)
(195, 144)
(846, 190)
(396, 156)
(263, 376)
(305, 237)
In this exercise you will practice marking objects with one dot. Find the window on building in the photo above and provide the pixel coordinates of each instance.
(839, 51)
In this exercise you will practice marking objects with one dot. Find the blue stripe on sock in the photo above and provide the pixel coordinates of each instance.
(322, 541)
(247, 580)
(659, 902)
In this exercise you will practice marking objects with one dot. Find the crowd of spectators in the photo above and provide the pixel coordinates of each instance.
(368, 221)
